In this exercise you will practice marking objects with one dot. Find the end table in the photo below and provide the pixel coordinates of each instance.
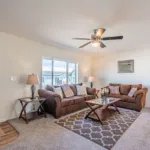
(96, 94)
(32, 115)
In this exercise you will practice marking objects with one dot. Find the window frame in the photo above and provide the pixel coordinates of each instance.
(67, 65)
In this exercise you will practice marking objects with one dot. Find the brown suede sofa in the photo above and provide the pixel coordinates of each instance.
(137, 102)
(58, 106)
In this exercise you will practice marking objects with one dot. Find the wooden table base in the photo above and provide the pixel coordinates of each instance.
(40, 112)
(100, 113)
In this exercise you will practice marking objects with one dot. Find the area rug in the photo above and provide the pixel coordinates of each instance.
(7, 133)
(105, 135)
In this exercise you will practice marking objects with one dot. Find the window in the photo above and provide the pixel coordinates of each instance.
(71, 73)
(56, 72)
(59, 72)
(46, 72)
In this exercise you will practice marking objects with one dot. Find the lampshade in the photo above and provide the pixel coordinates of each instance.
(95, 43)
(33, 79)
(91, 78)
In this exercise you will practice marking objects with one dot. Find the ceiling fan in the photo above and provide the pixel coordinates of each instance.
(95, 39)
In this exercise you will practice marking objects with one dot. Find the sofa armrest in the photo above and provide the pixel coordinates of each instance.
(141, 91)
(53, 102)
(46, 93)
(91, 91)
(140, 97)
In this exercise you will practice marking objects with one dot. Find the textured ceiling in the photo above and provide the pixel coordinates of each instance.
(58, 21)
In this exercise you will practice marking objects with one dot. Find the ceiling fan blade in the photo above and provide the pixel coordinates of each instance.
(85, 44)
(102, 45)
(112, 38)
(99, 32)
(81, 39)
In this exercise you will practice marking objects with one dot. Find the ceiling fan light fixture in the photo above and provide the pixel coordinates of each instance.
(99, 32)
(97, 39)
(95, 43)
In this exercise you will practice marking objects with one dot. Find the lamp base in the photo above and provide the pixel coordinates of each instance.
(91, 84)
(32, 91)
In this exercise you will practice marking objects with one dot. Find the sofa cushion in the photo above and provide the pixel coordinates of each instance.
(73, 87)
(89, 97)
(138, 86)
(67, 91)
(125, 89)
(90, 91)
(67, 101)
(127, 98)
(114, 89)
(78, 99)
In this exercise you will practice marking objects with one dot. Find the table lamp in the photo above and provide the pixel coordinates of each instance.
(91, 79)
(32, 80)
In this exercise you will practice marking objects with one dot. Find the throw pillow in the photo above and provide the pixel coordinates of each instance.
(49, 88)
(58, 90)
(132, 91)
(114, 90)
(87, 84)
(67, 91)
(81, 90)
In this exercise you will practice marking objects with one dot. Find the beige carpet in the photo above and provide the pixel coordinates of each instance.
(44, 134)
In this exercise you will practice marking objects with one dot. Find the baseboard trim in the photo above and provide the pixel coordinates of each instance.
(3, 120)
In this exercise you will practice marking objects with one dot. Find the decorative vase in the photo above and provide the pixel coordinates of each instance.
(104, 93)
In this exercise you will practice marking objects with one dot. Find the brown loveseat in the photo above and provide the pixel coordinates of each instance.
(58, 106)
(137, 102)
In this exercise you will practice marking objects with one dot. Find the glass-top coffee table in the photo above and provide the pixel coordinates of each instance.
(100, 108)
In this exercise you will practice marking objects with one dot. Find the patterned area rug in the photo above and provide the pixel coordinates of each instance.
(105, 135)
(7, 133)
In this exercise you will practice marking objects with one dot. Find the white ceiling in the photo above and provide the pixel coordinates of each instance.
(58, 21)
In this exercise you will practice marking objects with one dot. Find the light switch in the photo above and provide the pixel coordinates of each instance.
(13, 78)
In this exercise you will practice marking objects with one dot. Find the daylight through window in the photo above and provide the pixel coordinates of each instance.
(57, 72)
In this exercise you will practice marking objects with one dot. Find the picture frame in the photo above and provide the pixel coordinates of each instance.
(126, 66)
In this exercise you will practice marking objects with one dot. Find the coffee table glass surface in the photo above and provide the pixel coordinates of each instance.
(101, 101)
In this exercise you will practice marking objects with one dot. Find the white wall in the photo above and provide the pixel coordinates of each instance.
(106, 72)
(20, 57)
